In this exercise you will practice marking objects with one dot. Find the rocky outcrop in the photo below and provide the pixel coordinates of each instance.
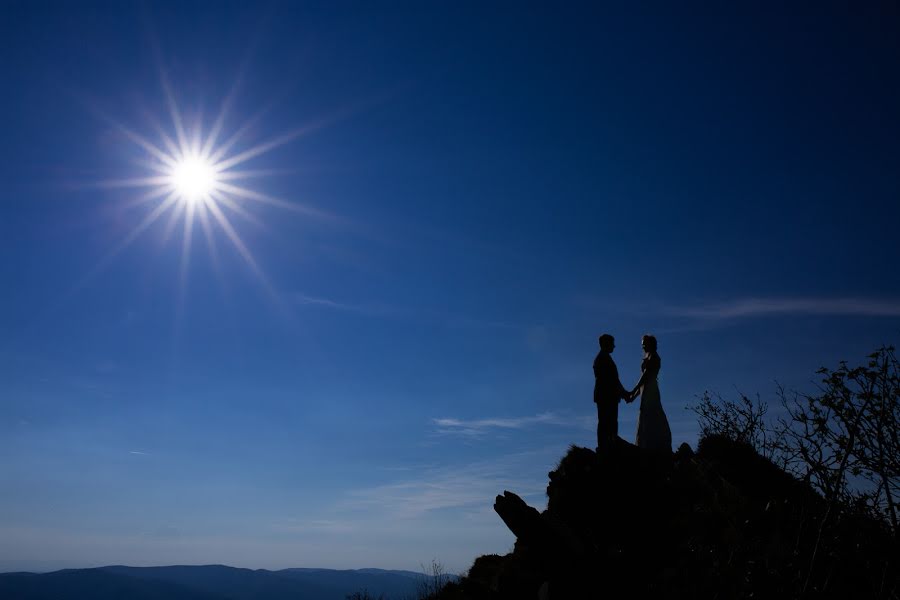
(723, 522)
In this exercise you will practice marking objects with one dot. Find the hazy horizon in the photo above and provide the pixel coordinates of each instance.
(381, 308)
(12, 566)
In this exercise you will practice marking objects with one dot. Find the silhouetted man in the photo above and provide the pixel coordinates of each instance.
(608, 391)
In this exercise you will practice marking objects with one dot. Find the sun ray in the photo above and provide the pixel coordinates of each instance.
(129, 134)
(136, 232)
(203, 213)
(173, 221)
(148, 146)
(154, 166)
(218, 153)
(227, 163)
(149, 196)
(167, 140)
(246, 194)
(252, 174)
(147, 222)
(174, 113)
(215, 130)
(218, 124)
(259, 149)
(225, 107)
(189, 176)
(186, 249)
(242, 249)
(236, 208)
(153, 181)
(171, 146)
(196, 138)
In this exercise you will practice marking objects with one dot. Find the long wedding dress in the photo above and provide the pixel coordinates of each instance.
(653, 431)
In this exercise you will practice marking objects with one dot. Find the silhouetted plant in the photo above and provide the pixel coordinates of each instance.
(434, 579)
(741, 421)
(364, 595)
(845, 439)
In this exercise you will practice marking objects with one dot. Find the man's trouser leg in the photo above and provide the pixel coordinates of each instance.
(607, 421)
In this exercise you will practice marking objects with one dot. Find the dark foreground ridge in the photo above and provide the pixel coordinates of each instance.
(723, 522)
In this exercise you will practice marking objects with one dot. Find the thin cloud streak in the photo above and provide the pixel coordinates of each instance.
(763, 307)
(467, 487)
(375, 310)
(476, 427)
(305, 300)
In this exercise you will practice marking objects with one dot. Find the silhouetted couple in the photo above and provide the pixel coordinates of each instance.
(653, 428)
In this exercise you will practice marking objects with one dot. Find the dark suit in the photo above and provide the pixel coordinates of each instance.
(608, 390)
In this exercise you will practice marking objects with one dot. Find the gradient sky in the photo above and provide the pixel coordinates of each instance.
(491, 187)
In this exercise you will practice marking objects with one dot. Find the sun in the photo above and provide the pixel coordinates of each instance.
(193, 178)
(194, 173)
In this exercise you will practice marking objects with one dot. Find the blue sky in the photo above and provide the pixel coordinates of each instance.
(460, 199)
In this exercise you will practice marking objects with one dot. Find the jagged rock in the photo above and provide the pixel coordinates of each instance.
(523, 520)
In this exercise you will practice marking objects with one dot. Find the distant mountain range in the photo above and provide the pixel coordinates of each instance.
(209, 582)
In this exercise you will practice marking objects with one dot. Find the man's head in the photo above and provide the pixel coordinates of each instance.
(607, 342)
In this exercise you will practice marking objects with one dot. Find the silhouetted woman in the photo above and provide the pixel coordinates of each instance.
(653, 430)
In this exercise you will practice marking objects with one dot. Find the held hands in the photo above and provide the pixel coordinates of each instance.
(633, 394)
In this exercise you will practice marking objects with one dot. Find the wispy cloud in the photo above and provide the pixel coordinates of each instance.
(470, 487)
(306, 300)
(762, 307)
(139, 453)
(476, 427)
(398, 312)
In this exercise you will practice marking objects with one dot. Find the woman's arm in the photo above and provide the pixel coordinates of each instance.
(646, 371)
(637, 387)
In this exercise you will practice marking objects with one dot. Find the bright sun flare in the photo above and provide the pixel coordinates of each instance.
(193, 178)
